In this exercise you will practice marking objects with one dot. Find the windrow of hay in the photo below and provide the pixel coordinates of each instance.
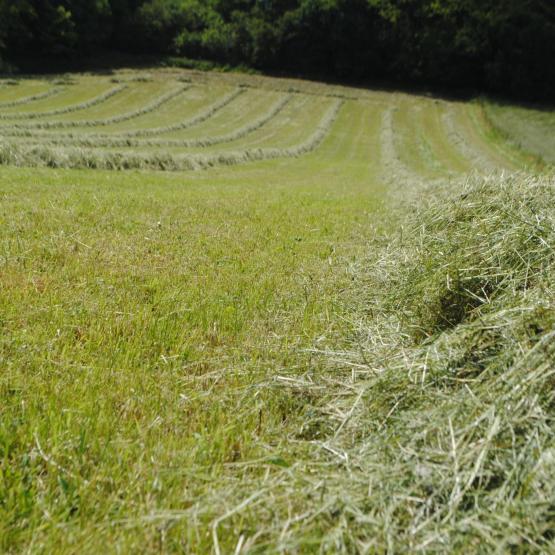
(394, 169)
(200, 117)
(97, 141)
(67, 109)
(527, 129)
(439, 435)
(146, 78)
(23, 129)
(25, 100)
(464, 146)
(46, 156)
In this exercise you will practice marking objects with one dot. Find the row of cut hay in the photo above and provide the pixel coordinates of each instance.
(46, 156)
(396, 170)
(67, 109)
(200, 117)
(116, 142)
(393, 168)
(25, 129)
(468, 150)
(25, 100)
(536, 144)
(434, 432)
(133, 79)
(449, 421)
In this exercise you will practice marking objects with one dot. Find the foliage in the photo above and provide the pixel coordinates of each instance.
(503, 46)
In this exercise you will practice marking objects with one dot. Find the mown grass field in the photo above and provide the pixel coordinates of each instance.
(241, 314)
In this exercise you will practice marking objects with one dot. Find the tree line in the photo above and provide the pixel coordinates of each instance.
(500, 46)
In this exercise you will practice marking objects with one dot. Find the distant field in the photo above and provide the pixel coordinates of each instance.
(168, 121)
(189, 267)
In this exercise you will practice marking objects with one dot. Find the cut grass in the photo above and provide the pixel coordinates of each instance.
(114, 160)
(342, 351)
(203, 114)
(66, 109)
(11, 90)
(31, 98)
(450, 428)
(410, 142)
(200, 141)
(195, 100)
(150, 106)
(239, 283)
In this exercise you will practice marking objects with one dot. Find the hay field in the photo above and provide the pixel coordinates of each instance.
(241, 314)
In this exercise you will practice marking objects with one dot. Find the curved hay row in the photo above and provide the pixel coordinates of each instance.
(394, 169)
(43, 156)
(24, 129)
(67, 109)
(117, 142)
(469, 151)
(200, 117)
(32, 98)
(449, 158)
(203, 115)
(418, 139)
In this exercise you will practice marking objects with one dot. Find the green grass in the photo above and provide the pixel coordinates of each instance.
(531, 129)
(72, 98)
(346, 350)
(11, 91)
